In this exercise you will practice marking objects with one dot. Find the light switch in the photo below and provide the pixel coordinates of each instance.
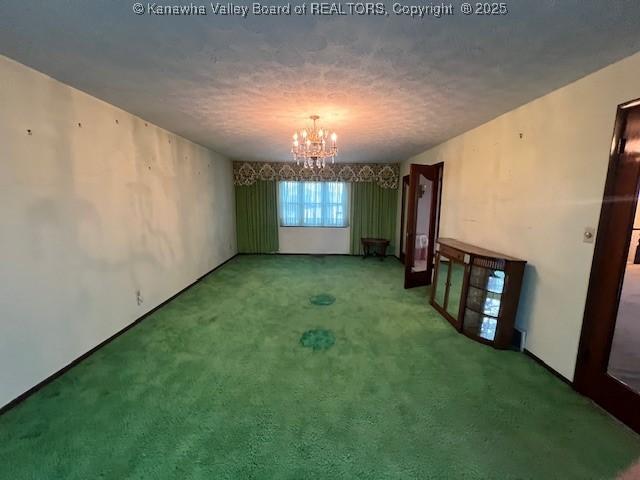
(589, 235)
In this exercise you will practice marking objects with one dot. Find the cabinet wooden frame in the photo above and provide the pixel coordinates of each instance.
(471, 256)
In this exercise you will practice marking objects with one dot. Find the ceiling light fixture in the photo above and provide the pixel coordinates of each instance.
(313, 146)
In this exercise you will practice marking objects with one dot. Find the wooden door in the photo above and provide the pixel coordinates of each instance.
(423, 206)
(403, 215)
(608, 366)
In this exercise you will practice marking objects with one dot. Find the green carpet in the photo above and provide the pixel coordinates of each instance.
(217, 385)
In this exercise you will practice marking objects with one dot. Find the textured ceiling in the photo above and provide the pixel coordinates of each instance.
(390, 86)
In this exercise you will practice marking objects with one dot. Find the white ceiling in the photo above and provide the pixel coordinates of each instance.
(390, 86)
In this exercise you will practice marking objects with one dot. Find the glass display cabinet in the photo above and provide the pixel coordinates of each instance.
(477, 290)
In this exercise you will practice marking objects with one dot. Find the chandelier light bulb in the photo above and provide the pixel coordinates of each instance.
(295, 136)
(304, 133)
(334, 137)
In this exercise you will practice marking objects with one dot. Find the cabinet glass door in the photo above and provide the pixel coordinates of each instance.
(456, 278)
(484, 300)
(441, 281)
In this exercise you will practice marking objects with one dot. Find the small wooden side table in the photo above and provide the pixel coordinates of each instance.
(374, 246)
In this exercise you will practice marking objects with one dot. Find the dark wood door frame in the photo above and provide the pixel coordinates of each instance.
(605, 283)
(440, 166)
(405, 187)
(434, 173)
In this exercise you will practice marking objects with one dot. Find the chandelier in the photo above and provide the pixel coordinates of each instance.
(313, 146)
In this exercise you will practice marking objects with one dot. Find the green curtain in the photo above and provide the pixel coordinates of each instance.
(257, 217)
(373, 214)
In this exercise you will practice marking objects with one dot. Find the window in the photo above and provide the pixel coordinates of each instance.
(313, 204)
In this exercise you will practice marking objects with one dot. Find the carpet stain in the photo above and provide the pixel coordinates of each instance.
(215, 384)
(318, 339)
(322, 299)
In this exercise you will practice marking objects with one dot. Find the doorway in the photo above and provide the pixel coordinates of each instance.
(608, 365)
(422, 205)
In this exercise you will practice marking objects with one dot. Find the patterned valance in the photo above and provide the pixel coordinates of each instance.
(384, 174)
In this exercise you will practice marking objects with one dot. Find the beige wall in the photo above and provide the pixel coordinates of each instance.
(91, 214)
(314, 240)
(533, 196)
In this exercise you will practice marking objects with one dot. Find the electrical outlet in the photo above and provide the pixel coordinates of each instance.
(139, 297)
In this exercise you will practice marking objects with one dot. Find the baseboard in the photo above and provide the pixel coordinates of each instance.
(303, 254)
(82, 357)
(319, 255)
(548, 368)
